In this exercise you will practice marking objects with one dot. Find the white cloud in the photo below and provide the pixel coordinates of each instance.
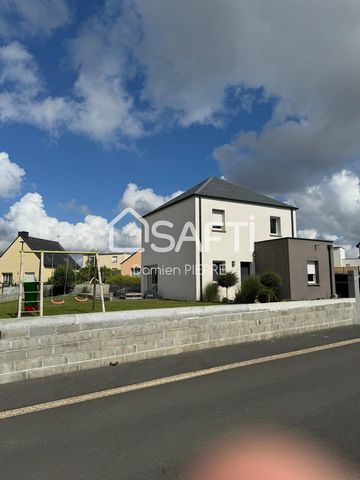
(143, 200)
(11, 176)
(29, 214)
(100, 56)
(35, 17)
(330, 209)
(22, 97)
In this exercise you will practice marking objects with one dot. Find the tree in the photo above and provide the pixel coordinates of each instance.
(63, 279)
(227, 280)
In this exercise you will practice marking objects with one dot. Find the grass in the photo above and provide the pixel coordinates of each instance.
(9, 309)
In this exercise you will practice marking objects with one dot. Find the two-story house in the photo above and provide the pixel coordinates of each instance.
(209, 229)
(10, 259)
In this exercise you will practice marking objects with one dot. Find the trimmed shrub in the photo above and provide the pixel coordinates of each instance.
(211, 292)
(266, 295)
(123, 280)
(250, 289)
(271, 281)
(227, 280)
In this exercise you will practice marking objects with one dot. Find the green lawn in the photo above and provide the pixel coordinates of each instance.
(8, 309)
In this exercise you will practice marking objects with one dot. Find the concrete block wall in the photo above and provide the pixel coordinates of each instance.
(38, 347)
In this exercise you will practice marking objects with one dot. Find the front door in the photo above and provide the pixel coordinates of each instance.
(244, 270)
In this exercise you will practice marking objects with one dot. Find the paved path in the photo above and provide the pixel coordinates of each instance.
(149, 433)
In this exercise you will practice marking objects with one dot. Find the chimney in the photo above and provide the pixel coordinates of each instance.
(23, 235)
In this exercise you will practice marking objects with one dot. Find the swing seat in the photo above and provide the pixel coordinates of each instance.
(81, 299)
(57, 302)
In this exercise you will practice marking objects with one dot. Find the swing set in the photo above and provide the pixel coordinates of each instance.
(31, 292)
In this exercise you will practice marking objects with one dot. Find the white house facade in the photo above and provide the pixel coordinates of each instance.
(207, 230)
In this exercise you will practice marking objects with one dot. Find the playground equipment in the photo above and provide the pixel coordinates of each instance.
(31, 293)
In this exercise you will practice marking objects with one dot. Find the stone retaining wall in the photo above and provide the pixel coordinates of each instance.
(38, 347)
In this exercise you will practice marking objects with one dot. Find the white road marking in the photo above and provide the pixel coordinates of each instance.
(165, 380)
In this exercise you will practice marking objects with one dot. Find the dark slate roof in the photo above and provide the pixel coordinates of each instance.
(215, 187)
(50, 260)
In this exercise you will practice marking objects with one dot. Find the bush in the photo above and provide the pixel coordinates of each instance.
(227, 280)
(211, 292)
(123, 280)
(63, 279)
(225, 300)
(271, 281)
(250, 289)
(266, 295)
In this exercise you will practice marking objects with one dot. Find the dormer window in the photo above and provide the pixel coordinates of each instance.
(218, 220)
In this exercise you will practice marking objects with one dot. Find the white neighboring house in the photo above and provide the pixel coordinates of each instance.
(214, 206)
(341, 263)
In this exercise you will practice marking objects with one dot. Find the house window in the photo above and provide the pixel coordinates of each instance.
(135, 271)
(218, 269)
(275, 228)
(7, 279)
(313, 272)
(218, 220)
(114, 259)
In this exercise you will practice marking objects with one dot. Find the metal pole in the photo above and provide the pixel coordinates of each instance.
(94, 283)
(41, 284)
(100, 283)
(21, 275)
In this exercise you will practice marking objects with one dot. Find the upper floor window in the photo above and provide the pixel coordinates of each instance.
(275, 226)
(218, 220)
(114, 259)
(313, 272)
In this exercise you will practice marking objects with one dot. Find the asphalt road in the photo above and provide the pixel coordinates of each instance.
(150, 433)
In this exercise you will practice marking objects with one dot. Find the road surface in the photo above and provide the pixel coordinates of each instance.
(148, 434)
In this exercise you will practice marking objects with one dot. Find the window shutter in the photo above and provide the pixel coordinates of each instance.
(218, 219)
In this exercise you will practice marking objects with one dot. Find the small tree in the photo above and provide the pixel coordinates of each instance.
(227, 280)
(63, 279)
(85, 274)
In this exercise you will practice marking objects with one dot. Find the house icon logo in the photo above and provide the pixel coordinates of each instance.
(112, 227)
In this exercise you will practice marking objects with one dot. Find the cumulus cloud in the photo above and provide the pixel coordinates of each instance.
(11, 176)
(143, 199)
(30, 214)
(35, 17)
(331, 209)
(23, 97)
(100, 56)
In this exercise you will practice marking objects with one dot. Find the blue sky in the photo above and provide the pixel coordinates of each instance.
(99, 94)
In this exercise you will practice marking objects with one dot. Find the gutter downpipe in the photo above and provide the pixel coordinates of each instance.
(200, 252)
(331, 270)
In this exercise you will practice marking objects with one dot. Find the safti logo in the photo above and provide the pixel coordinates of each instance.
(160, 238)
(138, 219)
